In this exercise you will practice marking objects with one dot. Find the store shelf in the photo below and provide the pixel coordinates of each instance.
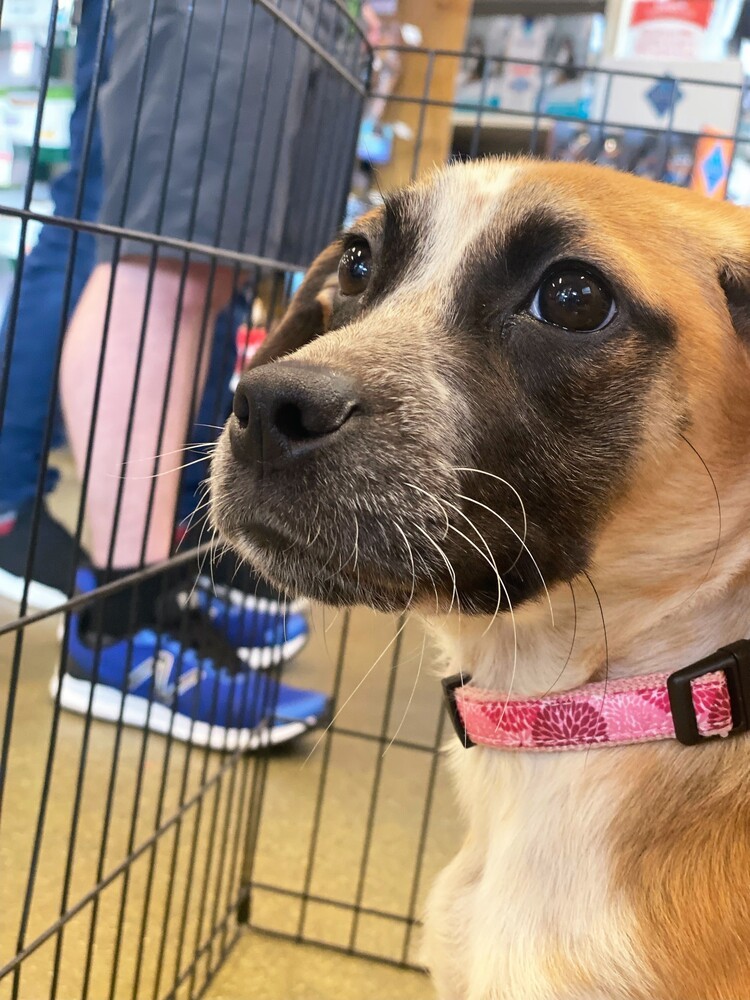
(500, 132)
(538, 8)
(506, 121)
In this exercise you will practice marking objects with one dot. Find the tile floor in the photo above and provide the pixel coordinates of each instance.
(200, 857)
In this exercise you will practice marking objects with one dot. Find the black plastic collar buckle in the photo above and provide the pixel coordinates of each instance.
(450, 684)
(734, 661)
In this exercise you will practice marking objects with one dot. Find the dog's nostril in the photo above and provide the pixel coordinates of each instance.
(300, 421)
(290, 421)
(241, 408)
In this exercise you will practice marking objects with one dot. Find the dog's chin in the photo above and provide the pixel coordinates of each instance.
(300, 570)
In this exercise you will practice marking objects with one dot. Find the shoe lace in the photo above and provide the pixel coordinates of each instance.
(192, 628)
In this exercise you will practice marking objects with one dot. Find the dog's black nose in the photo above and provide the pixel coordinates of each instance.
(283, 410)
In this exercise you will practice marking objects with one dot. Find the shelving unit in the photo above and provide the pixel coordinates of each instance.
(505, 129)
(499, 131)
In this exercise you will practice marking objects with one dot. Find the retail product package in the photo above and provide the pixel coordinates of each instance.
(690, 30)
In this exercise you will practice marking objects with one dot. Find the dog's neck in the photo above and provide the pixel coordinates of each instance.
(530, 654)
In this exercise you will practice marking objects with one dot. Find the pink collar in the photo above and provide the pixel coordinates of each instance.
(709, 698)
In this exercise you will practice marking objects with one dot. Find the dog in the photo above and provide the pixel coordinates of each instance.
(516, 398)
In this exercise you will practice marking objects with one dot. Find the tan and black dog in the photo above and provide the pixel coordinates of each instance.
(559, 353)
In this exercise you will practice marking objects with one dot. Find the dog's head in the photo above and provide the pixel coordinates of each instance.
(476, 381)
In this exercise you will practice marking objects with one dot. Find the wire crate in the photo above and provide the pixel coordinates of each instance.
(131, 863)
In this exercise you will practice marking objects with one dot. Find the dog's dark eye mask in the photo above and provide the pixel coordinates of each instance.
(485, 421)
(571, 296)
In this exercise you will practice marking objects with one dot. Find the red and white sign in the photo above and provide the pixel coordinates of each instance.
(667, 29)
(247, 341)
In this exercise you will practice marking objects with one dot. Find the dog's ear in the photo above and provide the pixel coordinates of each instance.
(731, 240)
(309, 312)
(735, 283)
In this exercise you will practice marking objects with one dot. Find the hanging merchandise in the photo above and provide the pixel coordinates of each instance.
(521, 82)
(713, 159)
(519, 64)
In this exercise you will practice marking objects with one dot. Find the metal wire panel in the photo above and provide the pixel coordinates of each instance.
(121, 851)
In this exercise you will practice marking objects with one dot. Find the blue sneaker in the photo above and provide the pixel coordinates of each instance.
(262, 631)
(198, 690)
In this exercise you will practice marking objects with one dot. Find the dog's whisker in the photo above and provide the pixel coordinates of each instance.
(493, 563)
(332, 622)
(356, 541)
(157, 475)
(208, 445)
(606, 648)
(502, 589)
(441, 506)
(446, 560)
(203, 501)
(213, 559)
(497, 610)
(719, 514)
(491, 475)
(190, 518)
(436, 500)
(572, 642)
(315, 520)
(359, 684)
(524, 546)
(352, 554)
(411, 559)
(202, 561)
(411, 695)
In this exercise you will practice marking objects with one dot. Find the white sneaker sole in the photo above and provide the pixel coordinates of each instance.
(108, 704)
(263, 657)
(40, 596)
(250, 601)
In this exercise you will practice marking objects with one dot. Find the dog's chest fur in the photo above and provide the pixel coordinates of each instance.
(512, 916)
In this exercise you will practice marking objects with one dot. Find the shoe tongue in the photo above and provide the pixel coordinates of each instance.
(179, 613)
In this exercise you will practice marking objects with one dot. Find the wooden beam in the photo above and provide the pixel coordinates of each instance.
(444, 26)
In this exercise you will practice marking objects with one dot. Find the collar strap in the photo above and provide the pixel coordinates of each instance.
(708, 699)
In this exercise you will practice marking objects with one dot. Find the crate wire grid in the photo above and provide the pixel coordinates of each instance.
(161, 817)
(164, 903)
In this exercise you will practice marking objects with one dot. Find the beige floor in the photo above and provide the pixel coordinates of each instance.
(260, 966)
(279, 969)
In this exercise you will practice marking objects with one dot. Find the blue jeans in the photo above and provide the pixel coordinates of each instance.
(42, 313)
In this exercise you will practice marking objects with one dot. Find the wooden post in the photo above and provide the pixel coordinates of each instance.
(443, 24)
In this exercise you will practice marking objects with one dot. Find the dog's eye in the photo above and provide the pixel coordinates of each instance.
(354, 269)
(574, 299)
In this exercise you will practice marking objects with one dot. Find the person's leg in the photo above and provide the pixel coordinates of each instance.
(157, 390)
(214, 172)
(142, 655)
